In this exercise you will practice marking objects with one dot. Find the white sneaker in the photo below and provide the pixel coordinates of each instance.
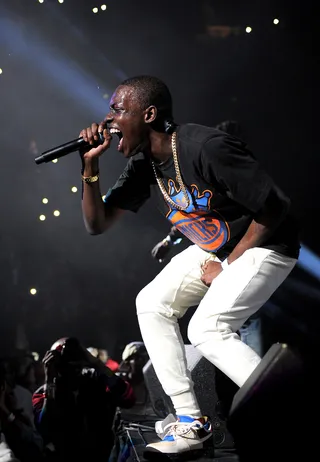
(185, 434)
(162, 426)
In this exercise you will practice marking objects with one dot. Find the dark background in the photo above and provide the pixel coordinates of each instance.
(60, 64)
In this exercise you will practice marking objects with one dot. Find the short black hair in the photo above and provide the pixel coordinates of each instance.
(151, 91)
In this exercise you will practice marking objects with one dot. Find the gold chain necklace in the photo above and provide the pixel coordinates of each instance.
(178, 175)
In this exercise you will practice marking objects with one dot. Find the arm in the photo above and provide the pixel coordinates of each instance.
(264, 224)
(238, 175)
(49, 412)
(121, 390)
(19, 432)
(23, 439)
(97, 216)
(161, 250)
(47, 408)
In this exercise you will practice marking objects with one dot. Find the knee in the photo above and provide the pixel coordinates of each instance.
(152, 301)
(147, 301)
(201, 330)
(143, 300)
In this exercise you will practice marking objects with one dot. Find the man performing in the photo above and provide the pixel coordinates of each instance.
(245, 244)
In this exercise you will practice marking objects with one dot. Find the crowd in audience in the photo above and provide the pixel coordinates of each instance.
(64, 406)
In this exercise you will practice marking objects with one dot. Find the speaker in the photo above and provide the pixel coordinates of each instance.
(214, 392)
(270, 416)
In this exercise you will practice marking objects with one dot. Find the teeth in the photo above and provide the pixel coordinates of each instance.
(114, 130)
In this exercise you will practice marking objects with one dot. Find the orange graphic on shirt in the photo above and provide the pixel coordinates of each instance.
(202, 226)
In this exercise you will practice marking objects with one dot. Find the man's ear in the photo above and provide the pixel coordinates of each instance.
(150, 114)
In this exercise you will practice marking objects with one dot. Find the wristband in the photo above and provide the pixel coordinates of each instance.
(90, 179)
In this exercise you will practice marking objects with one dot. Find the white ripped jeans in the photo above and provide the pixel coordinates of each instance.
(238, 292)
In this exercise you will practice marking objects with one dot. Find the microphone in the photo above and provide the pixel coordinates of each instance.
(66, 148)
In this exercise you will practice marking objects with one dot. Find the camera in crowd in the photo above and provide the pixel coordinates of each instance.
(66, 360)
(71, 351)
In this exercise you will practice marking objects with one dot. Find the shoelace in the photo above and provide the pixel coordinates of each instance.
(181, 428)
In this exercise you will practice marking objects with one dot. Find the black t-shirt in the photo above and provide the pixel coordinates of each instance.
(225, 184)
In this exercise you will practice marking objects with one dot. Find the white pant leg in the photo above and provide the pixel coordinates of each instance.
(238, 292)
(159, 306)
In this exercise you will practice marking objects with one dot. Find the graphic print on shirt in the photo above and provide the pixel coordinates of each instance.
(202, 226)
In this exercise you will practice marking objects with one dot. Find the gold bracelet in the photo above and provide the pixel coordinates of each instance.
(90, 179)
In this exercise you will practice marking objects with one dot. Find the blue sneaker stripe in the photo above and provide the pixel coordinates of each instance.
(168, 438)
(185, 418)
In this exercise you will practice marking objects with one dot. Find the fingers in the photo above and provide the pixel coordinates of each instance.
(101, 127)
(50, 356)
(92, 136)
(95, 133)
(107, 138)
(204, 268)
(208, 265)
(205, 280)
(46, 356)
(89, 139)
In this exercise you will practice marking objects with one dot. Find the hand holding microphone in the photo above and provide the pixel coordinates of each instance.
(92, 143)
(92, 136)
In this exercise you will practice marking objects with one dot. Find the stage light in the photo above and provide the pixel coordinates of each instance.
(42, 217)
(33, 291)
(103, 7)
(95, 9)
(45, 200)
(60, 1)
(40, 1)
(276, 21)
(0, 70)
(309, 261)
(56, 213)
(74, 189)
(248, 30)
(54, 161)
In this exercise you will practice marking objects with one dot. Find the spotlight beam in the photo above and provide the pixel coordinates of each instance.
(67, 74)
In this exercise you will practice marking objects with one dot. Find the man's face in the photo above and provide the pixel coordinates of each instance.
(126, 118)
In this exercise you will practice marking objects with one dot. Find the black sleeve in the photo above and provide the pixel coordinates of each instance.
(133, 186)
(227, 161)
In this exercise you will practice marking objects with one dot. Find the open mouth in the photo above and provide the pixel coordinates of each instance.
(116, 131)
